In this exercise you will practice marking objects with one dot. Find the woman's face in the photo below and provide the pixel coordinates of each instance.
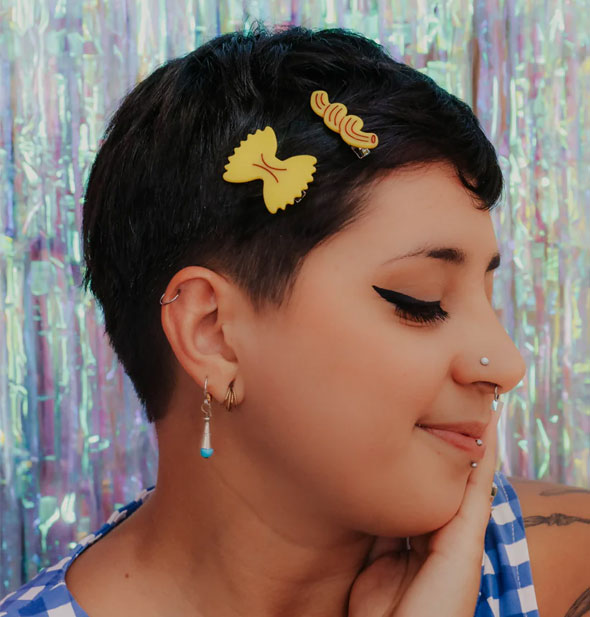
(335, 381)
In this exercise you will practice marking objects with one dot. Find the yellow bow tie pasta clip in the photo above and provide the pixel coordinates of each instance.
(284, 181)
(336, 117)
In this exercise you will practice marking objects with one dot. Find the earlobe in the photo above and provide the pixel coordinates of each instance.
(195, 330)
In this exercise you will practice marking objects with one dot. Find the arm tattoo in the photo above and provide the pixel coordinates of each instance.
(557, 518)
(550, 492)
(581, 607)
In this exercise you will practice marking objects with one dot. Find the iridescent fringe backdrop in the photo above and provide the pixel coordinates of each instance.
(73, 441)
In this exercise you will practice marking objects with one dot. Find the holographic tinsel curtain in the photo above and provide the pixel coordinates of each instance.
(73, 441)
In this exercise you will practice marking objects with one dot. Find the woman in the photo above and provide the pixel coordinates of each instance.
(294, 227)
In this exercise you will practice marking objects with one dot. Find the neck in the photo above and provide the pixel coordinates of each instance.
(240, 543)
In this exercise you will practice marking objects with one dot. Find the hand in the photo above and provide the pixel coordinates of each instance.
(442, 573)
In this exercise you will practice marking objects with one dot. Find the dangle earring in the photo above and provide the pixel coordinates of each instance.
(229, 402)
(206, 449)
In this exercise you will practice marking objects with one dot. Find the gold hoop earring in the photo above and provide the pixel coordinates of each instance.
(230, 396)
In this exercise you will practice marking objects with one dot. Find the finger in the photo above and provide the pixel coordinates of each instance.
(476, 502)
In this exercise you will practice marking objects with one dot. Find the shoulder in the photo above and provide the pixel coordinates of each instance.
(557, 527)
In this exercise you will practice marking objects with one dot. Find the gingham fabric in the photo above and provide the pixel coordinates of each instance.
(506, 588)
(506, 584)
(46, 595)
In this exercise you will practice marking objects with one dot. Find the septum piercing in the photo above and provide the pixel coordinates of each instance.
(484, 361)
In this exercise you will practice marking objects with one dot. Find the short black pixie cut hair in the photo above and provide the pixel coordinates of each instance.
(156, 201)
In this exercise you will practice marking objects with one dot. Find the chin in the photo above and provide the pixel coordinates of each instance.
(443, 512)
(429, 515)
(433, 523)
(439, 505)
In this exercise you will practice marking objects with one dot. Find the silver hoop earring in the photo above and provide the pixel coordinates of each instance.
(169, 301)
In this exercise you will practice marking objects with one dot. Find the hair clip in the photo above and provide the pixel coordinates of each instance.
(336, 118)
(284, 181)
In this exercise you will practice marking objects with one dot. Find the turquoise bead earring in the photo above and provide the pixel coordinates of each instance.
(229, 402)
(206, 449)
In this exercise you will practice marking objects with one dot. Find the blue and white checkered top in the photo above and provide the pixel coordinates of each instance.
(506, 585)
(506, 588)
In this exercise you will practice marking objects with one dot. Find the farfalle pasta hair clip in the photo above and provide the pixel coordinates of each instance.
(336, 117)
(284, 181)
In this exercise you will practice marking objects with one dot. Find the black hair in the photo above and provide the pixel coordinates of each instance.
(156, 202)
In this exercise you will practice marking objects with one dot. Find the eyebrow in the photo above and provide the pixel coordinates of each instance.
(448, 254)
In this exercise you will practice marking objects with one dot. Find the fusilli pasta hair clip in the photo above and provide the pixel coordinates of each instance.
(349, 127)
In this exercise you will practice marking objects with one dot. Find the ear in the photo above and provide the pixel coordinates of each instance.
(198, 325)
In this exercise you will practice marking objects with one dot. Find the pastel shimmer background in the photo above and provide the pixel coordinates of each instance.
(74, 444)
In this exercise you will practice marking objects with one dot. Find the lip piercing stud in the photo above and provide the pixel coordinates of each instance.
(479, 442)
(473, 464)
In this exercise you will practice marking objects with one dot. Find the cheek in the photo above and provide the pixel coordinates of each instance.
(335, 397)
(333, 374)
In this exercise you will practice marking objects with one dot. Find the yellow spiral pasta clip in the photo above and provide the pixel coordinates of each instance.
(284, 181)
(349, 127)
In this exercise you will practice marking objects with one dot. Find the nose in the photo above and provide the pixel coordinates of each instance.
(487, 338)
(509, 364)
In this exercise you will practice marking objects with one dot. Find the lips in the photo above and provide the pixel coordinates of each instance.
(471, 429)
(460, 441)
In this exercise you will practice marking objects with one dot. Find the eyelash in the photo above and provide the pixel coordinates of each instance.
(413, 309)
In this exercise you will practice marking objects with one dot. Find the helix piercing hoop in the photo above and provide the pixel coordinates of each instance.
(169, 301)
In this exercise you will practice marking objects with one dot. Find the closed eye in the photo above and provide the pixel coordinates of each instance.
(411, 308)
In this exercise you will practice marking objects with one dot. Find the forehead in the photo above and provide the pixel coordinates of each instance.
(415, 207)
